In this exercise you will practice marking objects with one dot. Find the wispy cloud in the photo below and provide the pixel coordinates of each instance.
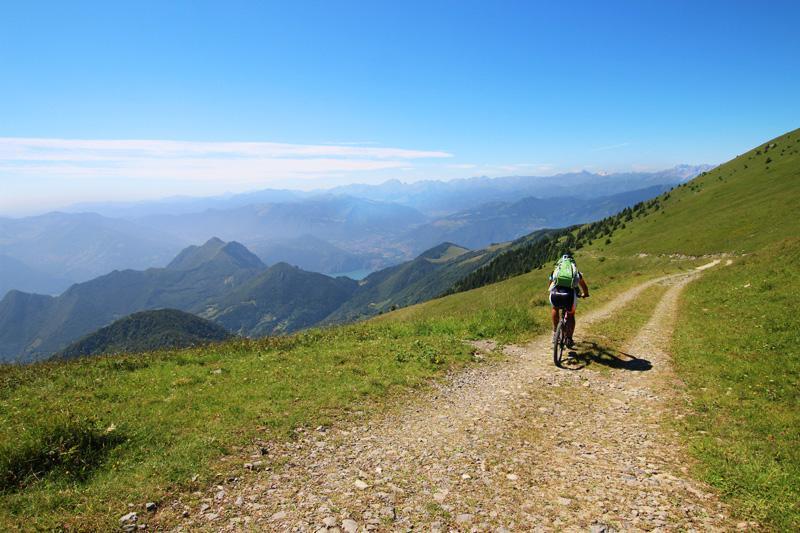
(239, 162)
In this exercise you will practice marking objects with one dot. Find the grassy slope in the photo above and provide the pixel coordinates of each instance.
(740, 206)
(736, 347)
(175, 414)
(744, 375)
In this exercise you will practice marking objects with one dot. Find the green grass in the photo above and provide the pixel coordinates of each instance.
(736, 347)
(159, 418)
(174, 413)
(81, 440)
(742, 370)
(499, 310)
(738, 207)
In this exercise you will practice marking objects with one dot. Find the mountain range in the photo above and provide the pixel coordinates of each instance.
(431, 197)
(226, 283)
(355, 229)
(230, 283)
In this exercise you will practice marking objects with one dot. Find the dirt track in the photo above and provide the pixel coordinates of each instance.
(518, 445)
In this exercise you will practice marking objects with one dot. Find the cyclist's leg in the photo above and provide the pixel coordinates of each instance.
(571, 318)
(554, 312)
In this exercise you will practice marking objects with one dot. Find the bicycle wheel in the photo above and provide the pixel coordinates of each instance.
(558, 344)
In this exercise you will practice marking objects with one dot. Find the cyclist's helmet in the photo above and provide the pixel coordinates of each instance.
(567, 255)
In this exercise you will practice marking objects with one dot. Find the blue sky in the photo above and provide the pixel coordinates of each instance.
(126, 100)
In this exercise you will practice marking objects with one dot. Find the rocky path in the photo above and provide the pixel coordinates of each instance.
(518, 445)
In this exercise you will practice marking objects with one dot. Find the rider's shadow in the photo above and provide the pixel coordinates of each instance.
(587, 353)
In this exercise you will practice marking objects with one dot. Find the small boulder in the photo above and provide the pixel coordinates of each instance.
(128, 518)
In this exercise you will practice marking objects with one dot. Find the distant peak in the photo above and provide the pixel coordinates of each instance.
(215, 250)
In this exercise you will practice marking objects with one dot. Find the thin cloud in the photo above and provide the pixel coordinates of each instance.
(190, 160)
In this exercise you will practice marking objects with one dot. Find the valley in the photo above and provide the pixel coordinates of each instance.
(707, 427)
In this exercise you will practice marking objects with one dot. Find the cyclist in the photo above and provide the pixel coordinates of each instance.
(563, 287)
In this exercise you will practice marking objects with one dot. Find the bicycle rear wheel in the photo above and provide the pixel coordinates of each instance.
(558, 344)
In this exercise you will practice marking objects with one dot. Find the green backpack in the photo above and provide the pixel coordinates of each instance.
(565, 273)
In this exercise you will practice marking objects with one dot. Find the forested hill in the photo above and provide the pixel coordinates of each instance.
(147, 331)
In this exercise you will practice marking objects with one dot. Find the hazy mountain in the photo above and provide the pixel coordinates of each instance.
(145, 331)
(34, 326)
(436, 198)
(219, 280)
(230, 255)
(281, 299)
(178, 205)
(15, 274)
(355, 227)
(78, 247)
(226, 283)
(433, 197)
(330, 218)
(504, 221)
(313, 254)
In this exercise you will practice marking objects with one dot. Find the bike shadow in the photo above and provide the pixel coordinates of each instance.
(587, 353)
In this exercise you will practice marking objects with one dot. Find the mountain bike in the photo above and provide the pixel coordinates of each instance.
(560, 335)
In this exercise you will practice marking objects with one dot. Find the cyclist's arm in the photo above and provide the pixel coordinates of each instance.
(584, 287)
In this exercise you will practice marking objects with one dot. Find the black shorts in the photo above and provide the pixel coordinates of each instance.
(562, 298)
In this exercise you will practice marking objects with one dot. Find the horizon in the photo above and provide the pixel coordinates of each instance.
(116, 103)
(74, 208)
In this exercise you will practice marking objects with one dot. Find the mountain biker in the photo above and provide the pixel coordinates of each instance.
(562, 285)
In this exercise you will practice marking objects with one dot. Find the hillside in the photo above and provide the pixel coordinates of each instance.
(423, 278)
(20, 276)
(740, 362)
(489, 223)
(177, 417)
(226, 283)
(147, 331)
(51, 324)
(281, 299)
